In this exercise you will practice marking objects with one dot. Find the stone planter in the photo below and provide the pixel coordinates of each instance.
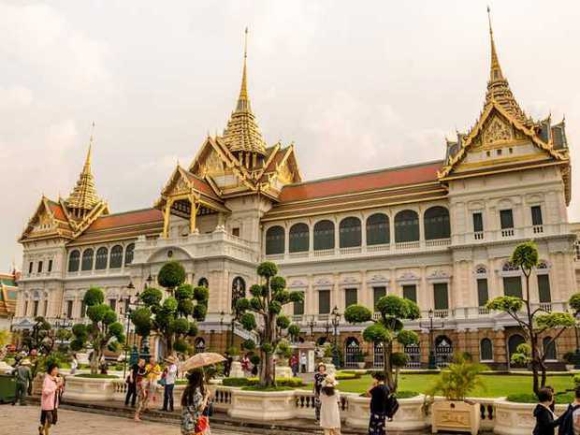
(262, 406)
(409, 417)
(516, 418)
(455, 416)
(89, 389)
(569, 367)
(361, 365)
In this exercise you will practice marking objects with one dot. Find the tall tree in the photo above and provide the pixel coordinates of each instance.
(103, 332)
(534, 322)
(387, 329)
(261, 313)
(174, 317)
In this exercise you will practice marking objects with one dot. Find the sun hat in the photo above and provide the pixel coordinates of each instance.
(171, 359)
(329, 381)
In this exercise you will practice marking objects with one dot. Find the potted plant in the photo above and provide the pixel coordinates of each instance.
(359, 358)
(234, 353)
(570, 360)
(455, 413)
(327, 356)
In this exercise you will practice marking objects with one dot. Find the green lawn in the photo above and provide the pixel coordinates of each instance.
(496, 385)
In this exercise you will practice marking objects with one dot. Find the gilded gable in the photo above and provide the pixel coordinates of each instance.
(497, 131)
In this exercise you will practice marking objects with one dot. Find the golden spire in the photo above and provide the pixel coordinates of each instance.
(242, 132)
(84, 195)
(498, 89)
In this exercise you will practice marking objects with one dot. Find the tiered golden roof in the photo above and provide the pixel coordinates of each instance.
(242, 132)
(84, 195)
(498, 88)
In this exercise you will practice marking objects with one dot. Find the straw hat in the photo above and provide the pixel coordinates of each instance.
(329, 381)
(171, 359)
(25, 362)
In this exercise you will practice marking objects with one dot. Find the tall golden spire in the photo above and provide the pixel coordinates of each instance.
(498, 89)
(242, 133)
(84, 195)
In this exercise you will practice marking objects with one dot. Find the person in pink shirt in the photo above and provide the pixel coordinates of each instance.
(51, 389)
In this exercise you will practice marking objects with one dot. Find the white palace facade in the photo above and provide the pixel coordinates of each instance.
(439, 232)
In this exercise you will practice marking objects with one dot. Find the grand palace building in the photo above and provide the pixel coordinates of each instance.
(437, 232)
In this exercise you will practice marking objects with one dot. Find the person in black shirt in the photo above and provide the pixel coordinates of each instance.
(136, 370)
(319, 377)
(379, 393)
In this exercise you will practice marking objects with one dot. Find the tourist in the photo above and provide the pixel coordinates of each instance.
(569, 421)
(329, 406)
(134, 377)
(379, 393)
(294, 364)
(246, 365)
(193, 403)
(318, 378)
(153, 374)
(545, 421)
(228, 365)
(23, 378)
(303, 362)
(142, 392)
(49, 401)
(170, 375)
(74, 364)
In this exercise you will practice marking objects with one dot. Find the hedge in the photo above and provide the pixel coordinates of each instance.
(245, 382)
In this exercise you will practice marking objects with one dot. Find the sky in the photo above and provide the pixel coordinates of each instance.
(354, 85)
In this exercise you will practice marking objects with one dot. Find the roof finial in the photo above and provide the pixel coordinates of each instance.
(495, 72)
(87, 167)
(243, 102)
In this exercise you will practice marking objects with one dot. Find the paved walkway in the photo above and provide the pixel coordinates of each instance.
(16, 420)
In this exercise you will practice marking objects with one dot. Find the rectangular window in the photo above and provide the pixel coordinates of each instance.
(299, 307)
(441, 297)
(30, 267)
(45, 308)
(537, 215)
(35, 309)
(506, 218)
(410, 292)
(378, 293)
(512, 286)
(477, 222)
(40, 267)
(26, 308)
(324, 302)
(113, 304)
(50, 265)
(544, 288)
(350, 297)
(482, 293)
(236, 232)
(83, 310)
(69, 309)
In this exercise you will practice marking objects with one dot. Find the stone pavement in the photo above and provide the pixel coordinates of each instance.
(23, 420)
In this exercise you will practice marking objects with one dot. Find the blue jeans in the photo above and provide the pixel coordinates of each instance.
(168, 397)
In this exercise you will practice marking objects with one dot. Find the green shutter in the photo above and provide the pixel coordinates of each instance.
(323, 301)
(544, 288)
(512, 286)
(482, 293)
(378, 293)
(350, 297)
(441, 296)
(299, 307)
(506, 218)
(410, 292)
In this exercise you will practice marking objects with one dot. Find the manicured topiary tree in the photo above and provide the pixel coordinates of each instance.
(533, 322)
(175, 317)
(103, 332)
(265, 303)
(388, 329)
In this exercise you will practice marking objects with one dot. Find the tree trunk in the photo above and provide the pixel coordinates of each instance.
(535, 355)
(388, 369)
(95, 358)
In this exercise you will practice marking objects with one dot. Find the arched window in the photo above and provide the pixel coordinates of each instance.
(436, 222)
(203, 283)
(378, 229)
(275, 240)
(101, 259)
(323, 235)
(350, 232)
(116, 259)
(510, 267)
(73, 261)
(513, 342)
(299, 238)
(199, 345)
(480, 269)
(406, 226)
(238, 289)
(549, 349)
(129, 252)
(87, 262)
(486, 350)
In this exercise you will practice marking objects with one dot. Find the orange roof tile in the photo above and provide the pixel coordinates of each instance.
(57, 210)
(203, 186)
(381, 179)
(136, 217)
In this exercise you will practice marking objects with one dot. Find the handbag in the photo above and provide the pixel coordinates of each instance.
(208, 410)
(162, 382)
(201, 425)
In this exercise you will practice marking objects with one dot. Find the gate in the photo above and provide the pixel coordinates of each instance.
(351, 352)
(413, 352)
(378, 357)
(443, 350)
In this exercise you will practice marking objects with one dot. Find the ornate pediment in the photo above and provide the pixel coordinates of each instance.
(497, 131)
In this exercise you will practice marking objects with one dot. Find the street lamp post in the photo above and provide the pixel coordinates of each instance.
(311, 324)
(335, 322)
(430, 327)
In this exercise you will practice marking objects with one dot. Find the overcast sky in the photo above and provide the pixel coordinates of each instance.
(355, 85)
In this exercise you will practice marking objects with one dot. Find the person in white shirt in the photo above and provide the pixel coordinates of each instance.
(74, 364)
(169, 376)
(303, 362)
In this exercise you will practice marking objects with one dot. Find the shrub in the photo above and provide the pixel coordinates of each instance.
(406, 394)
(96, 376)
(235, 382)
(346, 376)
(280, 382)
(258, 388)
(171, 275)
(569, 357)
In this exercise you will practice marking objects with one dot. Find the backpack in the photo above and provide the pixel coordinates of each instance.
(566, 426)
(391, 406)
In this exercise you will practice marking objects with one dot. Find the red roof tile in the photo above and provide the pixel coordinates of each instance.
(202, 186)
(381, 179)
(137, 217)
(57, 210)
